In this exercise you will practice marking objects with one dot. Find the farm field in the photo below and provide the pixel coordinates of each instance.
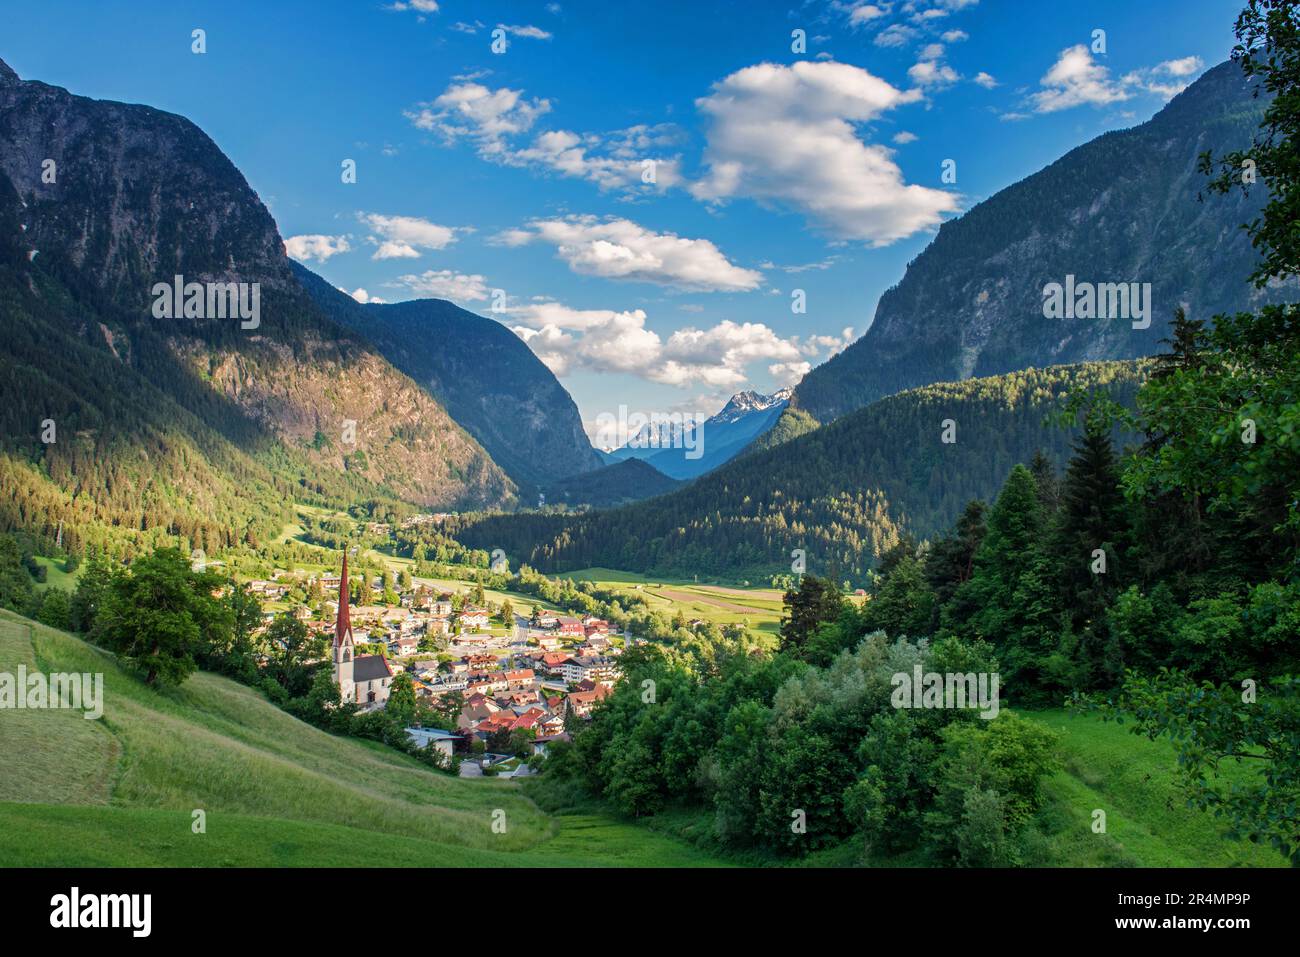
(758, 608)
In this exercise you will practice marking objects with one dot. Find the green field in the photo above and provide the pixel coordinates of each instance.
(121, 790)
(55, 576)
(757, 608)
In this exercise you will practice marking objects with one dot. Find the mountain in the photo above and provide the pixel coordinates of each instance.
(171, 422)
(1124, 207)
(685, 451)
(628, 481)
(843, 492)
(490, 382)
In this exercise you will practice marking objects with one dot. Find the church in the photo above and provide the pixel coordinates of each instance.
(363, 679)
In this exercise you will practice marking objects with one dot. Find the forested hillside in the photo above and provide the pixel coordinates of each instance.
(487, 378)
(843, 493)
(195, 425)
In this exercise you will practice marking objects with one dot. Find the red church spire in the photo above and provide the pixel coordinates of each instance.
(344, 625)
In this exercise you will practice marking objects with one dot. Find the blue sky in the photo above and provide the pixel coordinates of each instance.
(517, 179)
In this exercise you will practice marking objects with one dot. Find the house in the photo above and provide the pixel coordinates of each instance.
(267, 589)
(571, 627)
(546, 619)
(553, 661)
(438, 625)
(540, 744)
(441, 607)
(580, 703)
(524, 678)
(405, 645)
(443, 741)
(548, 642)
(363, 679)
(473, 619)
(595, 626)
(581, 668)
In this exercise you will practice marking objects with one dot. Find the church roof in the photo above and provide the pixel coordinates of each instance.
(370, 668)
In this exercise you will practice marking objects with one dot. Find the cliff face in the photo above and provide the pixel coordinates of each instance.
(115, 198)
(1122, 208)
(487, 378)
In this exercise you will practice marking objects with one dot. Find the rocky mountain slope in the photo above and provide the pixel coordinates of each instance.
(114, 199)
(490, 382)
(1122, 208)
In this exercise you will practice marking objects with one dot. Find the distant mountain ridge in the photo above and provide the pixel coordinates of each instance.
(619, 484)
(687, 450)
(1121, 208)
(842, 494)
(487, 378)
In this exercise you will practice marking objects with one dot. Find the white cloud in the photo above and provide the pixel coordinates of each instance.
(604, 340)
(895, 35)
(622, 249)
(531, 32)
(787, 134)
(447, 284)
(1166, 79)
(903, 137)
(815, 345)
(485, 116)
(788, 373)
(636, 158)
(955, 36)
(626, 159)
(931, 73)
(866, 12)
(402, 237)
(363, 297)
(420, 6)
(985, 80)
(1075, 79)
(311, 246)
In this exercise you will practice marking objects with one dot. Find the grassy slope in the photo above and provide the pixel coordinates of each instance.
(1148, 823)
(275, 790)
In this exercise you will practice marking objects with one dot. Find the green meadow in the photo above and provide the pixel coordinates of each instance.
(275, 791)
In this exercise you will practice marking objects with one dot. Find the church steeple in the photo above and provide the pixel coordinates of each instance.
(343, 627)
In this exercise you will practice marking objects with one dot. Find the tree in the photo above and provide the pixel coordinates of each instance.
(55, 610)
(160, 615)
(15, 583)
(1088, 544)
(290, 646)
(815, 602)
(91, 588)
(401, 699)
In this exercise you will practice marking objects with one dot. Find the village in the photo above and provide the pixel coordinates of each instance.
(507, 685)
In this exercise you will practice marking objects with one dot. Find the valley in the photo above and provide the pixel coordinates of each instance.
(535, 503)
